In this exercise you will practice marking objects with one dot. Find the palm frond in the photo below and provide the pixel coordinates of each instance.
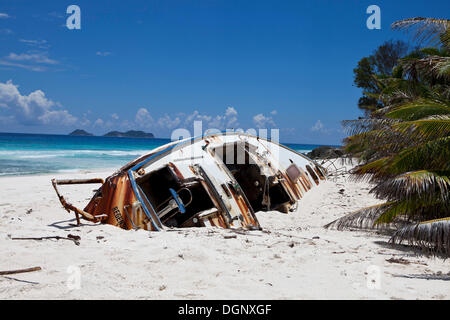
(425, 129)
(413, 209)
(432, 236)
(423, 184)
(418, 110)
(425, 29)
(361, 219)
(430, 155)
(355, 127)
(373, 170)
(443, 69)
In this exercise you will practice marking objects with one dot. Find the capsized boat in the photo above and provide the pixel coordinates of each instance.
(214, 180)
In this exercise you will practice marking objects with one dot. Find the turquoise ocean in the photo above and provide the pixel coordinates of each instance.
(24, 154)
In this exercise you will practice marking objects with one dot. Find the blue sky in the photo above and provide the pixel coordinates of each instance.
(159, 65)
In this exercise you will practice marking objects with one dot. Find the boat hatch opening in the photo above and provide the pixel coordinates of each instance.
(262, 189)
(177, 202)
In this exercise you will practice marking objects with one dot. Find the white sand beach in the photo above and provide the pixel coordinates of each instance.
(294, 257)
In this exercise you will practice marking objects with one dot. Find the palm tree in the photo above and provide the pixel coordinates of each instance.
(405, 146)
(432, 30)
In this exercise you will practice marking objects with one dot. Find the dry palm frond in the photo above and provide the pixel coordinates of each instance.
(372, 171)
(430, 67)
(437, 117)
(355, 127)
(413, 210)
(425, 29)
(433, 235)
(423, 184)
(394, 98)
(361, 219)
(443, 69)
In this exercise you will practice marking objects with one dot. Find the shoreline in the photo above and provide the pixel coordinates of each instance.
(293, 257)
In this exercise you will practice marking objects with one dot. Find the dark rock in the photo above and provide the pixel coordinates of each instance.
(325, 152)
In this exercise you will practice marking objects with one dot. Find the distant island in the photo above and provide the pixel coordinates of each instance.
(128, 134)
(80, 132)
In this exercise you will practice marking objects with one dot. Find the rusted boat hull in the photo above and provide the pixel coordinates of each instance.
(218, 180)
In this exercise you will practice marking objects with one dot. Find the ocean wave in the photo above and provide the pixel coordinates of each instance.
(43, 154)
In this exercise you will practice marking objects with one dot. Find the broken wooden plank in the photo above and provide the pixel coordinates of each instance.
(2, 273)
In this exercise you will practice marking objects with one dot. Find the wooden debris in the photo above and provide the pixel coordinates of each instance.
(400, 260)
(70, 237)
(2, 273)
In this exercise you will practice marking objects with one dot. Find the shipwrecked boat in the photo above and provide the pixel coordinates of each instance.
(215, 180)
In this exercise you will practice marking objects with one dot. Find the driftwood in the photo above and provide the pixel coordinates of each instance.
(2, 273)
(70, 237)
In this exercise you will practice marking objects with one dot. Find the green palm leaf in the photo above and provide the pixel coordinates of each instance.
(419, 110)
(425, 129)
(434, 154)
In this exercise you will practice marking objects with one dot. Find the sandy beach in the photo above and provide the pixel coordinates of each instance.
(294, 257)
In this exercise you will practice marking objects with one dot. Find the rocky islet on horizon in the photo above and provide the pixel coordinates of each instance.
(128, 134)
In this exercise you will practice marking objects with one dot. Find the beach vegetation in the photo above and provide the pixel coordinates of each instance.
(403, 142)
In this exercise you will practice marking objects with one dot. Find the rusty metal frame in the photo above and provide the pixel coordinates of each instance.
(69, 207)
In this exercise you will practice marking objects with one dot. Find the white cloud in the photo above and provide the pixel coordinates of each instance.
(261, 121)
(318, 126)
(56, 15)
(4, 15)
(99, 122)
(103, 53)
(36, 43)
(143, 118)
(231, 112)
(115, 116)
(6, 31)
(31, 57)
(228, 120)
(168, 122)
(274, 112)
(85, 122)
(196, 116)
(58, 117)
(23, 66)
(30, 61)
(31, 109)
